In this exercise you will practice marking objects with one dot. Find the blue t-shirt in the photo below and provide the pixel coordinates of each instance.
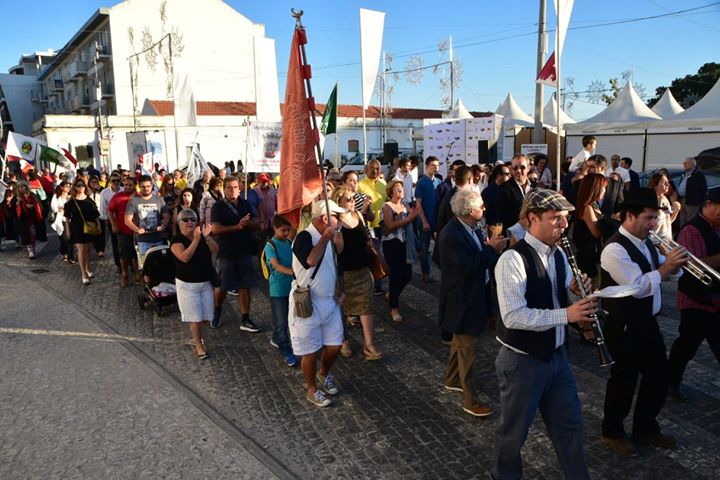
(426, 190)
(253, 199)
(279, 282)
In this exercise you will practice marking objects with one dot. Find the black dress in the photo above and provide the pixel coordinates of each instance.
(77, 210)
(588, 248)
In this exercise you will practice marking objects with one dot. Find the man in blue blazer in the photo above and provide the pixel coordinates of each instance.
(466, 265)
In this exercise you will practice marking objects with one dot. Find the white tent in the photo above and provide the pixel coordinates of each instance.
(549, 114)
(458, 111)
(673, 139)
(619, 128)
(667, 106)
(513, 114)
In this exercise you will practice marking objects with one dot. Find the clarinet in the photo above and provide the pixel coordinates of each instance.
(598, 337)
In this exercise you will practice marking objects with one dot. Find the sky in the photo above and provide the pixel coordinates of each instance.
(495, 41)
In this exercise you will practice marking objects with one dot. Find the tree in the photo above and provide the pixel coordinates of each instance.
(690, 88)
(599, 92)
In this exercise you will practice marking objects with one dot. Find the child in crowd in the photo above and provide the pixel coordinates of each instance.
(278, 257)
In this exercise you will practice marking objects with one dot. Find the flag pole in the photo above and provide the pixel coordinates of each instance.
(337, 160)
(172, 85)
(311, 104)
(558, 160)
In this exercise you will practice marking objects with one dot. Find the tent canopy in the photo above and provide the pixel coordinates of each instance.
(707, 107)
(458, 111)
(549, 114)
(513, 114)
(628, 107)
(667, 106)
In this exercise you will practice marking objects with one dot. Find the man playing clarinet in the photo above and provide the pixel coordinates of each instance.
(532, 366)
(632, 333)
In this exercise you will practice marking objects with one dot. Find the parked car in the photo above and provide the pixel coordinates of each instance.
(711, 176)
(709, 159)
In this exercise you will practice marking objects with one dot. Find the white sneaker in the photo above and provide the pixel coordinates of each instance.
(319, 399)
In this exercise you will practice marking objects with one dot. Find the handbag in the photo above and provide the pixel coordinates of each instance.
(302, 298)
(89, 228)
(378, 266)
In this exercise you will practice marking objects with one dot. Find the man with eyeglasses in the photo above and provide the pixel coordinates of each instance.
(512, 192)
(105, 196)
(500, 175)
(143, 216)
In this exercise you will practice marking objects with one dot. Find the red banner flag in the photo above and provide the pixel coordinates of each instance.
(300, 180)
(548, 74)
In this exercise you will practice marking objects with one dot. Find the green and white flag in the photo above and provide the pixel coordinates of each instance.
(53, 156)
(329, 120)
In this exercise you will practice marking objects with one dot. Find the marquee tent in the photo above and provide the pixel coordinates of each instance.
(667, 106)
(549, 114)
(514, 120)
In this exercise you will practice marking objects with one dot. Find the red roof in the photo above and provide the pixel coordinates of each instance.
(165, 107)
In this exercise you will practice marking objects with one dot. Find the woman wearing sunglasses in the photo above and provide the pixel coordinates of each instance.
(192, 248)
(78, 210)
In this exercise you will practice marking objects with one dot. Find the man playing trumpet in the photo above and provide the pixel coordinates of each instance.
(631, 330)
(699, 304)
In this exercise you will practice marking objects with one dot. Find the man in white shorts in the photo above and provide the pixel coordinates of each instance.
(314, 266)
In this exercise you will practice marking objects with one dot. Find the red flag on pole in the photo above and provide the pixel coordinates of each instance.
(300, 180)
(548, 74)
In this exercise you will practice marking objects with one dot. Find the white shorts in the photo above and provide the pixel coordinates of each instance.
(324, 327)
(195, 300)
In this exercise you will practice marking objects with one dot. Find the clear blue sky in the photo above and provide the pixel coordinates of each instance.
(493, 39)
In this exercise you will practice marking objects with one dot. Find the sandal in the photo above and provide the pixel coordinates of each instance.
(396, 317)
(72, 262)
(345, 351)
(371, 354)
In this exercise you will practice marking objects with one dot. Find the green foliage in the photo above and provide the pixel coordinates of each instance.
(690, 88)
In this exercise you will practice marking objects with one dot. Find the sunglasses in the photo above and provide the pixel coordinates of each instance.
(115, 180)
(79, 185)
(519, 167)
(188, 220)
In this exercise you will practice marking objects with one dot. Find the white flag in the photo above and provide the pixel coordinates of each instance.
(197, 166)
(22, 147)
(563, 21)
(371, 33)
(183, 96)
(267, 98)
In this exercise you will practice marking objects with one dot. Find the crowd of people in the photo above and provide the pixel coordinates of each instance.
(492, 231)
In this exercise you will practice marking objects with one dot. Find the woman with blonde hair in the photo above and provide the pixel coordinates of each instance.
(355, 262)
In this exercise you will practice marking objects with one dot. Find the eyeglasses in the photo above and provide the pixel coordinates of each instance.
(188, 220)
(519, 167)
(79, 185)
(505, 174)
(115, 180)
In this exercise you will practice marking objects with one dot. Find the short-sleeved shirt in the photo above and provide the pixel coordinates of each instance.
(253, 199)
(375, 189)
(116, 207)
(200, 267)
(147, 214)
(233, 244)
(425, 190)
(279, 282)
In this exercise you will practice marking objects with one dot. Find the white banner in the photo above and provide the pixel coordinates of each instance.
(563, 21)
(371, 33)
(183, 97)
(267, 98)
(264, 147)
(156, 142)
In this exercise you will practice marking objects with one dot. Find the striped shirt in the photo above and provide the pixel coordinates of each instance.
(512, 283)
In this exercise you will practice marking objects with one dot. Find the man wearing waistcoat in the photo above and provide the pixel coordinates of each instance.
(631, 330)
(532, 367)
(699, 304)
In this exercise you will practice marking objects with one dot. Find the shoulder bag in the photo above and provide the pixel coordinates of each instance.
(302, 298)
(89, 227)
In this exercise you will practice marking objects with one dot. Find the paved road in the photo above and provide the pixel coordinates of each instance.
(140, 404)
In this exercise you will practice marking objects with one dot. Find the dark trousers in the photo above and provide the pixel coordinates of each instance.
(425, 238)
(695, 326)
(638, 349)
(280, 333)
(400, 270)
(99, 240)
(113, 242)
(527, 385)
(460, 370)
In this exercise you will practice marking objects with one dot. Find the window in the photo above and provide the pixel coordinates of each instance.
(353, 146)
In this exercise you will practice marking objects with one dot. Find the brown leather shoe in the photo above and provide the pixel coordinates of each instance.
(478, 410)
(621, 446)
(658, 439)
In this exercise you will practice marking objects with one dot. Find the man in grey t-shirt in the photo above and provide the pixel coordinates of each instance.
(143, 216)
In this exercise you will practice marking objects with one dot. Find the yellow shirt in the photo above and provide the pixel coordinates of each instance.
(375, 189)
(181, 184)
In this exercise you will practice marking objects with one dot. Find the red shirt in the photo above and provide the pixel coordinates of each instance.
(691, 238)
(116, 208)
(48, 184)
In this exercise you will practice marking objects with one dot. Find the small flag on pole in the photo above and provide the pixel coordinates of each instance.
(53, 156)
(548, 74)
(21, 147)
(329, 119)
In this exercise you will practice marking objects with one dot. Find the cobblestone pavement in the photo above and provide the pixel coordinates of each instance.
(392, 420)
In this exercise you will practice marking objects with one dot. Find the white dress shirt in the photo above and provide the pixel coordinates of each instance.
(616, 261)
(512, 284)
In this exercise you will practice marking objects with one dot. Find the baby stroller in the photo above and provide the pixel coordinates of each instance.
(158, 268)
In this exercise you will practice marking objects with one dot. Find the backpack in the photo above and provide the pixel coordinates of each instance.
(263, 260)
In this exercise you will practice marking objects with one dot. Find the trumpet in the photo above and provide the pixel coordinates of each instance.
(694, 266)
(598, 337)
